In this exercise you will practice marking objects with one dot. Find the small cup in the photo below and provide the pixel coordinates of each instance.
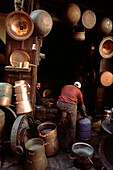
(26, 64)
(19, 64)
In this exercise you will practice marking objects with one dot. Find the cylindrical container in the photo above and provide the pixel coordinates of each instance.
(20, 89)
(2, 123)
(83, 153)
(23, 106)
(40, 112)
(5, 94)
(48, 132)
(35, 154)
(84, 129)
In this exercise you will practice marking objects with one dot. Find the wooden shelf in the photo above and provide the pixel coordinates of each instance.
(17, 69)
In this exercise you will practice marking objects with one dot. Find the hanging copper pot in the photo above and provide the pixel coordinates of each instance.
(48, 132)
(89, 19)
(106, 47)
(71, 14)
(19, 25)
(42, 21)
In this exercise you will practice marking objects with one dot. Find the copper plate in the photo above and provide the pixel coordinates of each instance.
(19, 56)
(89, 19)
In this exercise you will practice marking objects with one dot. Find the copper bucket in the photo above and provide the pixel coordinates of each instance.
(23, 106)
(19, 25)
(43, 22)
(35, 154)
(48, 132)
(106, 47)
(5, 94)
(71, 14)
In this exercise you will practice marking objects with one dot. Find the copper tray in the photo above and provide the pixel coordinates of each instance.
(19, 55)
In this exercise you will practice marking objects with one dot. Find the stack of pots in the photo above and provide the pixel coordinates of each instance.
(23, 104)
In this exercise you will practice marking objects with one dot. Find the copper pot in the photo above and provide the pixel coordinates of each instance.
(82, 152)
(23, 106)
(35, 154)
(48, 132)
(21, 89)
(5, 94)
(21, 96)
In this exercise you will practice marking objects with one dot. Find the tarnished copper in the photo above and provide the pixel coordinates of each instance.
(19, 25)
(71, 14)
(89, 19)
(35, 154)
(17, 56)
(104, 26)
(48, 132)
(106, 78)
(5, 94)
(106, 47)
(42, 21)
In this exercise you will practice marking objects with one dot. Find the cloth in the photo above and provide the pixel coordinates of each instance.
(71, 94)
(71, 111)
(38, 98)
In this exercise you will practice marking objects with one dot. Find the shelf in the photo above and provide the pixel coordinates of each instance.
(17, 69)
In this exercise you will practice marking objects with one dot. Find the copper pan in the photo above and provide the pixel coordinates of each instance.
(19, 55)
(89, 19)
(19, 25)
(23, 107)
(42, 21)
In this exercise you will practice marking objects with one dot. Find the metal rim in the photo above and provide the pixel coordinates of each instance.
(19, 15)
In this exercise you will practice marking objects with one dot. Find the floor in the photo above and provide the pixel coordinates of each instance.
(61, 160)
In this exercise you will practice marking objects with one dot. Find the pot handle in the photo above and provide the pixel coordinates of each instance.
(29, 161)
(72, 156)
(31, 153)
(90, 160)
(47, 143)
(19, 150)
(43, 136)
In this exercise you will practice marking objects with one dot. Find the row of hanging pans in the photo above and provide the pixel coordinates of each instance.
(21, 25)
